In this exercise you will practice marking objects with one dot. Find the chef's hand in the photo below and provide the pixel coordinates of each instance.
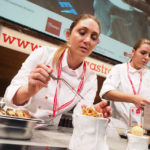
(140, 102)
(39, 78)
(103, 107)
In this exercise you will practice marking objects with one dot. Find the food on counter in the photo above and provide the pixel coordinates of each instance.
(137, 130)
(10, 112)
(90, 111)
(16, 113)
(23, 114)
(2, 112)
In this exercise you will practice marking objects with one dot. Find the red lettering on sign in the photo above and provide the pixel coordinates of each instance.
(99, 68)
(34, 46)
(9, 38)
(20, 42)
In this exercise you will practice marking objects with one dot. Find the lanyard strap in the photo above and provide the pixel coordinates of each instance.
(78, 90)
(133, 88)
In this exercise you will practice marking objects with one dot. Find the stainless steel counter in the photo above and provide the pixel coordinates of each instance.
(47, 137)
(61, 137)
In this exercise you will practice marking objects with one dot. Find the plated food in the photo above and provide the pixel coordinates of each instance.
(16, 123)
(137, 130)
(16, 113)
(90, 111)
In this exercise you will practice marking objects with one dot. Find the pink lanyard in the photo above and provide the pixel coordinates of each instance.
(132, 82)
(78, 90)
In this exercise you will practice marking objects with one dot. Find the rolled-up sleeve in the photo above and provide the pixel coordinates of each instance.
(112, 81)
(21, 77)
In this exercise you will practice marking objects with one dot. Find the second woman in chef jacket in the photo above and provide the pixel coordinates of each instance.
(128, 84)
(33, 89)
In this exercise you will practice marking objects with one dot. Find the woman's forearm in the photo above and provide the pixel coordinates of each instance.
(119, 96)
(22, 96)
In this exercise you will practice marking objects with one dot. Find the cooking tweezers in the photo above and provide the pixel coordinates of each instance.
(71, 88)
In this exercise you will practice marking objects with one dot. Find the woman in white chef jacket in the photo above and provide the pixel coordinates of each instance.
(44, 97)
(128, 84)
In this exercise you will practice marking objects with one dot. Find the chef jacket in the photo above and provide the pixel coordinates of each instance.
(41, 104)
(118, 80)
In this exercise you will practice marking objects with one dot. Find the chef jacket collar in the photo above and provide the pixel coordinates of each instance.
(78, 72)
(133, 70)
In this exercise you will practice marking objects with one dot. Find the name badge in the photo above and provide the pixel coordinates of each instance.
(135, 117)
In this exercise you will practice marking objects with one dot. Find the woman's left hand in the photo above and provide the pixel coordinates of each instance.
(103, 107)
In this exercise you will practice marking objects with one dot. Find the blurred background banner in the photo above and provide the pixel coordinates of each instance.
(67, 8)
(123, 22)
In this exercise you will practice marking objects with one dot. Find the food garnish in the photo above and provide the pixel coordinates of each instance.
(16, 113)
(137, 130)
(90, 111)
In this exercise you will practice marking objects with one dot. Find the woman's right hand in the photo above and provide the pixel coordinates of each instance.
(140, 102)
(39, 78)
